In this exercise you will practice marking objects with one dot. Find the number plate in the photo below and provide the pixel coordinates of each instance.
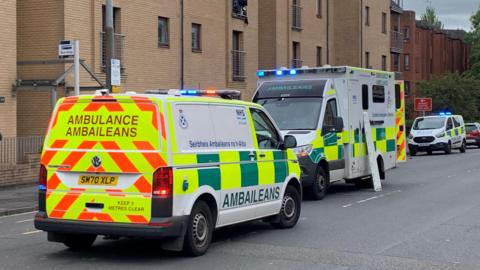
(98, 180)
(424, 144)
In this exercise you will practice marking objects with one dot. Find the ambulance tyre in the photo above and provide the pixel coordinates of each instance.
(79, 241)
(448, 148)
(199, 231)
(290, 211)
(318, 190)
(463, 148)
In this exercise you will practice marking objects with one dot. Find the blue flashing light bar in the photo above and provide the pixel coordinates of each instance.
(293, 72)
(261, 74)
(279, 72)
(42, 187)
(445, 113)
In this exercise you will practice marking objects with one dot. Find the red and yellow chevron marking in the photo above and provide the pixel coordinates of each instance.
(400, 126)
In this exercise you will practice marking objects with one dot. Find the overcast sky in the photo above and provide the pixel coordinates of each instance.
(453, 13)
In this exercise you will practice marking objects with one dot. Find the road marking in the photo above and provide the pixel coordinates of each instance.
(23, 221)
(347, 205)
(372, 198)
(32, 232)
(16, 215)
(369, 199)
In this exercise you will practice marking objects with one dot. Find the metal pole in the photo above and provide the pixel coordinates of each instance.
(182, 46)
(110, 42)
(76, 64)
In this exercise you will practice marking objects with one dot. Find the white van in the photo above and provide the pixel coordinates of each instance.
(437, 133)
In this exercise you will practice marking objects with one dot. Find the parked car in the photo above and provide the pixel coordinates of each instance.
(473, 134)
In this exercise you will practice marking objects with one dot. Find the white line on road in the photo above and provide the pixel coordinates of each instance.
(369, 199)
(23, 221)
(32, 232)
(16, 215)
(347, 205)
(373, 198)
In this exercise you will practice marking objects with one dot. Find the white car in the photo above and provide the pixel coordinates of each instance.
(437, 133)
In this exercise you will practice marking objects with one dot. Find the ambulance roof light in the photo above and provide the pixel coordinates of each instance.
(279, 73)
(293, 72)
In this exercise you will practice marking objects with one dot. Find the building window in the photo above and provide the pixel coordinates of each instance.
(407, 88)
(196, 37)
(407, 62)
(296, 59)
(163, 32)
(407, 33)
(238, 57)
(396, 62)
(239, 8)
(367, 16)
(319, 8)
(384, 22)
(319, 56)
(367, 60)
(384, 62)
(296, 15)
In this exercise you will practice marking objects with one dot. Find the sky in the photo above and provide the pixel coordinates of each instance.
(455, 14)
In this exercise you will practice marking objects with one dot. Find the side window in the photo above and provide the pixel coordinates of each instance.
(265, 131)
(331, 113)
(449, 124)
(365, 97)
(398, 97)
(456, 121)
(378, 94)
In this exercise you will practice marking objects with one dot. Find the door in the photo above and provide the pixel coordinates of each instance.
(333, 141)
(451, 131)
(272, 164)
(458, 133)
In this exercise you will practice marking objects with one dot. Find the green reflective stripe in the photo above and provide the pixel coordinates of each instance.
(341, 152)
(381, 134)
(249, 170)
(208, 158)
(391, 146)
(209, 177)
(280, 165)
(330, 139)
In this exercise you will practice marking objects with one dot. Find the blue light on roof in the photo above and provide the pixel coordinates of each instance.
(293, 72)
(448, 113)
(42, 187)
(279, 72)
(442, 114)
(261, 74)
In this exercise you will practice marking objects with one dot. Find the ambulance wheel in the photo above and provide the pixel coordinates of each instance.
(79, 241)
(290, 211)
(199, 230)
(463, 149)
(448, 148)
(318, 190)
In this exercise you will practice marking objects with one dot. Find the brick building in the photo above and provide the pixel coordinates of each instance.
(429, 52)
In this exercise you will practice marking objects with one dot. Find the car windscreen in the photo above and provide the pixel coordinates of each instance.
(294, 113)
(470, 128)
(429, 123)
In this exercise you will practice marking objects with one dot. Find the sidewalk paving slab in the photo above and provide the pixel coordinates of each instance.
(16, 200)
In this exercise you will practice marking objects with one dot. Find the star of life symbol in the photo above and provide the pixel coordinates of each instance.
(96, 162)
(183, 120)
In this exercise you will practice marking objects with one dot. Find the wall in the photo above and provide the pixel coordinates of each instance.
(21, 174)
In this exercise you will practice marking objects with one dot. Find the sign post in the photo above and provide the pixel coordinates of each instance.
(69, 49)
(423, 105)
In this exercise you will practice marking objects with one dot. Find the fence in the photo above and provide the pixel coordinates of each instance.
(296, 17)
(13, 150)
(238, 65)
(119, 49)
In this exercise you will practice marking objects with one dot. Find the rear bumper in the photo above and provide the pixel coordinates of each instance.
(473, 141)
(158, 227)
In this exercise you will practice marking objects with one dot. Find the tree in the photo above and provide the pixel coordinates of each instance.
(431, 19)
(453, 92)
(473, 38)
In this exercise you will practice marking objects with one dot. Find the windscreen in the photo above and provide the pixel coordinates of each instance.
(294, 113)
(429, 123)
(105, 126)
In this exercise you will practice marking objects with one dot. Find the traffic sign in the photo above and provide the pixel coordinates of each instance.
(66, 49)
(423, 105)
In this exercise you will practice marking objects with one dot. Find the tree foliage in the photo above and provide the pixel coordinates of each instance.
(473, 38)
(431, 19)
(453, 92)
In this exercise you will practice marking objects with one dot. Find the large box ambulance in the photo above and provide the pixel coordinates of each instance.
(164, 166)
(323, 108)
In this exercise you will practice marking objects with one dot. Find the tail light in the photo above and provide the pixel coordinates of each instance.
(163, 182)
(42, 178)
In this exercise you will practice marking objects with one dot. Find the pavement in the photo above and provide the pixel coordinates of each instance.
(15, 200)
(426, 217)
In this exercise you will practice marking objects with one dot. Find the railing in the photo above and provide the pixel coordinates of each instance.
(296, 17)
(239, 9)
(238, 65)
(297, 63)
(119, 49)
(14, 149)
(396, 5)
(397, 41)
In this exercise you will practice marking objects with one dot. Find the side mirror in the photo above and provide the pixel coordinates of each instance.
(339, 126)
(289, 142)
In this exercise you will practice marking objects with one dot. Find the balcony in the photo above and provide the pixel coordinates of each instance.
(396, 6)
(297, 17)
(297, 63)
(238, 65)
(239, 9)
(397, 42)
(119, 49)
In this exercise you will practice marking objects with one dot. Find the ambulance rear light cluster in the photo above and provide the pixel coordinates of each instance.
(163, 182)
(293, 72)
(42, 178)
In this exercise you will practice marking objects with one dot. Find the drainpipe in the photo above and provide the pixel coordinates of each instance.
(328, 32)
(110, 40)
(182, 46)
(361, 33)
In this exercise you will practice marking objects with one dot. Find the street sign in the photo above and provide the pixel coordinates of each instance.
(2, 99)
(116, 74)
(66, 49)
(423, 105)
